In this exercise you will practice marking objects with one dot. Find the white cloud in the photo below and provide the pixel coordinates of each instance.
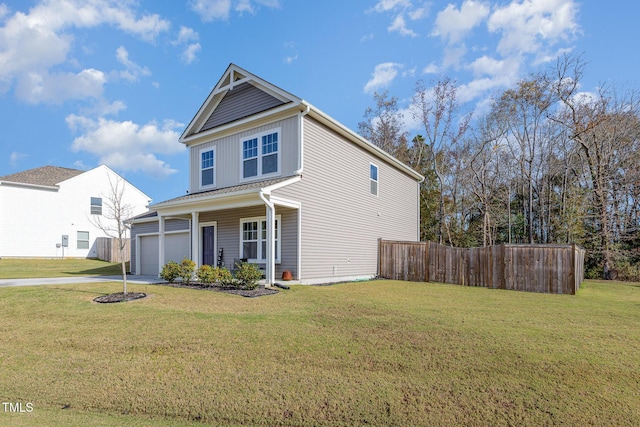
(400, 10)
(188, 55)
(387, 5)
(210, 10)
(525, 25)
(126, 145)
(15, 156)
(34, 87)
(453, 24)
(32, 43)
(382, 76)
(432, 68)
(189, 39)
(399, 25)
(133, 71)
(290, 59)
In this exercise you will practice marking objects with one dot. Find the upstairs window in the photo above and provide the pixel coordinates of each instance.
(207, 167)
(250, 158)
(373, 179)
(96, 206)
(260, 155)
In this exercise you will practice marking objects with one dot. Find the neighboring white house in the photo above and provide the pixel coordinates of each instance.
(40, 206)
(276, 181)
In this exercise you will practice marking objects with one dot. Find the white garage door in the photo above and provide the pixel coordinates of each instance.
(149, 255)
(176, 248)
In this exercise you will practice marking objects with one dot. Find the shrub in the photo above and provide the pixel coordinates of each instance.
(248, 275)
(205, 274)
(170, 271)
(208, 274)
(223, 276)
(187, 268)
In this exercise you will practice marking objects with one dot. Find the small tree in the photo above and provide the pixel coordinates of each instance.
(113, 221)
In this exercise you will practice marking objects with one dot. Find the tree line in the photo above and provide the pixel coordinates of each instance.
(547, 163)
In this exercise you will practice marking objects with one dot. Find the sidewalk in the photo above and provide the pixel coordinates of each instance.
(71, 280)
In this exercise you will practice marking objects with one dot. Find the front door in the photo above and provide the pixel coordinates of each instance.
(208, 245)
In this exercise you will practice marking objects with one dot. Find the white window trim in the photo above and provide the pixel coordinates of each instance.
(377, 181)
(259, 136)
(215, 160)
(259, 219)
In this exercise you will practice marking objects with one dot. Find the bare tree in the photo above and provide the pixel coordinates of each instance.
(605, 127)
(437, 109)
(383, 126)
(113, 221)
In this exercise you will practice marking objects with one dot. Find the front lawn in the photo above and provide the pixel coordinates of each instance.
(372, 353)
(19, 268)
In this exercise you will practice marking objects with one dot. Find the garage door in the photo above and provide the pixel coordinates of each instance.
(149, 255)
(176, 248)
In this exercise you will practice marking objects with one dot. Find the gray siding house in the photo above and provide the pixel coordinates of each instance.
(276, 181)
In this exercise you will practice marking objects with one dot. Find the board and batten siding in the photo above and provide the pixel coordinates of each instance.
(228, 152)
(228, 234)
(151, 227)
(341, 220)
(242, 101)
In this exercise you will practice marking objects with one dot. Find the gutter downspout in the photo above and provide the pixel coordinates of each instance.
(301, 139)
(299, 172)
(270, 272)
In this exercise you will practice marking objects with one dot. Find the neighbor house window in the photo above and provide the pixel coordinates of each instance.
(96, 206)
(207, 167)
(373, 179)
(261, 154)
(253, 239)
(83, 239)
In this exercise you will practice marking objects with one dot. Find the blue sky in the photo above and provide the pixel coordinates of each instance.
(89, 82)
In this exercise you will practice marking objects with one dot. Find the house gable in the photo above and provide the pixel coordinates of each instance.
(243, 101)
(237, 95)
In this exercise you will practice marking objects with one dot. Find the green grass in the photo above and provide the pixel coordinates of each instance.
(15, 268)
(374, 353)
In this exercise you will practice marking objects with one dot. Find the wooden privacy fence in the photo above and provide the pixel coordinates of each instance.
(107, 249)
(556, 269)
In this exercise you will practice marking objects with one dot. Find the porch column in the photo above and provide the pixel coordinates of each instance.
(160, 243)
(195, 238)
(271, 246)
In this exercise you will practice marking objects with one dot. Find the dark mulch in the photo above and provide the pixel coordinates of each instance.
(248, 293)
(120, 297)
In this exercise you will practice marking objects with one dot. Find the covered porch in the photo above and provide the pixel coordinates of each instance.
(244, 222)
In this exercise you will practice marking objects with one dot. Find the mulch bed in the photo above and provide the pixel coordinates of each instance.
(120, 297)
(248, 293)
(131, 296)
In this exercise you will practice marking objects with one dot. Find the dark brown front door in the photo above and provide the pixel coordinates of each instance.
(208, 245)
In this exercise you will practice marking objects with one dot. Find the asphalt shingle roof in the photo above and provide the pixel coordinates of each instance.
(46, 175)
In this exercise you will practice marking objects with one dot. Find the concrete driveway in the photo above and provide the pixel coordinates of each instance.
(70, 280)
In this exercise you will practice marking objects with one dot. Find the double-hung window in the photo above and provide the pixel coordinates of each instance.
(250, 158)
(261, 154)
(96, 206)
(82, 239)
(253, 239)
(373, 179)
(207, 167)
